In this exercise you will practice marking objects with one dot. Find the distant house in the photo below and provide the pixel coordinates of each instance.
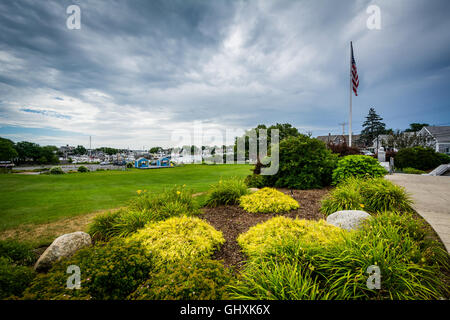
(437, 137)
(340, 139)
(143, 163)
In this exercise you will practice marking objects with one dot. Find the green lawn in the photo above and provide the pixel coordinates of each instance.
(43, 198)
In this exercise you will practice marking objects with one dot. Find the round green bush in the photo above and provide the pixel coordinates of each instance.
(108, 271)
(304, 163)
(83, 169)
(56, 170)
(202, 279)
(357, 166)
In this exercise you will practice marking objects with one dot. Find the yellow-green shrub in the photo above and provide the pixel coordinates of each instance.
(268, 200)
(179, 238)
(267, 235)
(199, 279)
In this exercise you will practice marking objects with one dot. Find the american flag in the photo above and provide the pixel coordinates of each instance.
(354, 73)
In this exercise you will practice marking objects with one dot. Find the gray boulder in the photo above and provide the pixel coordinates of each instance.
(63, 246)
(253, 189)
(347, 219)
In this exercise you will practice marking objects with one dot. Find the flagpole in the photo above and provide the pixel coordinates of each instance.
(350, 115)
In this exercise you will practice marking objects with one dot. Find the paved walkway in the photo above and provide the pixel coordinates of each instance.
(431, 197)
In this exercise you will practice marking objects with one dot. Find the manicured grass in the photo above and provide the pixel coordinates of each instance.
(36, 199)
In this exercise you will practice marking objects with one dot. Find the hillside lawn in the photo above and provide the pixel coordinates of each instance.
(38, 199)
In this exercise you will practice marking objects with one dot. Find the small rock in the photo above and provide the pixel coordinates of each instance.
(253, 189)
(63, 246)
(347, 219)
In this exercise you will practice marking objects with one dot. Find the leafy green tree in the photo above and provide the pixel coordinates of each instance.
(28, 151)
(7, 150)
(155, 149)
(108, 151)
(414, 127)
(286, 130)
(373, 127)
(49, 155)
(80, 150)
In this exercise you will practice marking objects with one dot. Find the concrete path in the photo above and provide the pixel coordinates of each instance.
(431, 196)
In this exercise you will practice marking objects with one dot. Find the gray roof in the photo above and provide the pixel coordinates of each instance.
(338, 137)
(440, 133)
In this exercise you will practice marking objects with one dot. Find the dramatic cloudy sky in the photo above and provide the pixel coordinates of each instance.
(137, 70)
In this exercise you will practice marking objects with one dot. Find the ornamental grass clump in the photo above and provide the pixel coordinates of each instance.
(346, 196)
(268, 200)
(226, 192)
(382, 195)
(144, 208)
(371, 195)
(179, 238)
(259, 239)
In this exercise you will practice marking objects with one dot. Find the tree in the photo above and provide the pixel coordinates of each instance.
(80, 150)
(28, 151)
(155, 149)
(373, 127)
(48, 155)
(414, 127)
(7, 151)
(286, 130)
(108, 151)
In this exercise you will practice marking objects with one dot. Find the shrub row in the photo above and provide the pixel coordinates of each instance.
(420, 158)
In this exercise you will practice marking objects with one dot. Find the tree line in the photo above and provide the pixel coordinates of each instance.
(25, 151)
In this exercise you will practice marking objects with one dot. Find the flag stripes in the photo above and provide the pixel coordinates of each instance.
(354, 74)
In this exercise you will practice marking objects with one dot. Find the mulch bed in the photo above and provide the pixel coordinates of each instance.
(233, 220)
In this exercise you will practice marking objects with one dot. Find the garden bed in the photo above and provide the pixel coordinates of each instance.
(233, 220)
